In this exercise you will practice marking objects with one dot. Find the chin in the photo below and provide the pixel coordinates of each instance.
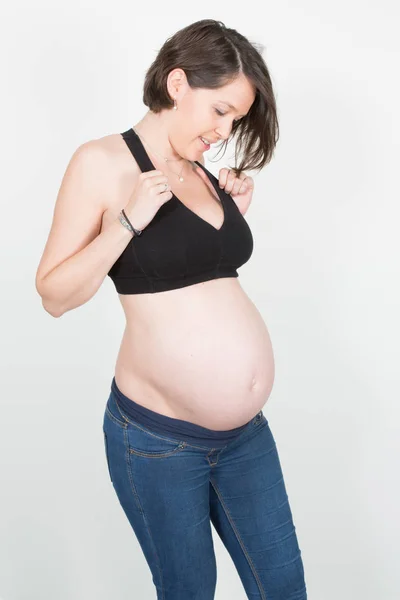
(192, 155)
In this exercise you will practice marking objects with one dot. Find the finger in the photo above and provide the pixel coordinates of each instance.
(242, 185)
(152, 173)
(230, 182)
(150, 178)
(238, 187)
(163, 187)
(223, 176)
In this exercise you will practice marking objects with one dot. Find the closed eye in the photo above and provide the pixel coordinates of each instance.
(221, 114)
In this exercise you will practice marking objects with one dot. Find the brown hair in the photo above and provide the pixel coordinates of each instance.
(213, 55)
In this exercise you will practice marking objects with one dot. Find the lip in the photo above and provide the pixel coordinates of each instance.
(205, 147)
(210, 141)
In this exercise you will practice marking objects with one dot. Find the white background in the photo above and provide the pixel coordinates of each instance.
(324, 274)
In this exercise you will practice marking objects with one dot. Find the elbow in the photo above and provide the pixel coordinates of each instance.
(55, 312)
(51, 307)
(57, 305)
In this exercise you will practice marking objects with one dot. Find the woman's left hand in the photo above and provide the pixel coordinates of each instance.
(240, 188)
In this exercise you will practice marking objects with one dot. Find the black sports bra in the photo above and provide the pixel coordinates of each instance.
(178, 248)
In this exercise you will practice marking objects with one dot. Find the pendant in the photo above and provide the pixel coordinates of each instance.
(180, 178)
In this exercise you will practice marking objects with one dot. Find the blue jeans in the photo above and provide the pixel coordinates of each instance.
(171, 491)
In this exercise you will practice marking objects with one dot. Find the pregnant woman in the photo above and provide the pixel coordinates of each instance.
(186, 440)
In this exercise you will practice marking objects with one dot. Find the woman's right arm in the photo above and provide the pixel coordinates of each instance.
(77, 258)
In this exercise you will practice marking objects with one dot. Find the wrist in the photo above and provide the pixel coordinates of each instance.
(125, 221)
(125, 230)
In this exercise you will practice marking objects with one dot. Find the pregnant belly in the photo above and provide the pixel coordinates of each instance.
(205, 358)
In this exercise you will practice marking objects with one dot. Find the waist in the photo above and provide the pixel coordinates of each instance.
(163, 424)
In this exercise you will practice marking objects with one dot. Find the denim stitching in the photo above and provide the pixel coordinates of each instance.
(263, 596)
(107, 456)
(181, 445)
(255, 420)
(150, 432)
(134, 491)
(124, 425)
(109, 413)
(208, 457)
(159, 455)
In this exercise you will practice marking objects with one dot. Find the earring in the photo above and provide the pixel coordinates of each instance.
(175, 105)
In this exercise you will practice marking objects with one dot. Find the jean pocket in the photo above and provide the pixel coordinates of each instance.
(107, 455)
(143, 442)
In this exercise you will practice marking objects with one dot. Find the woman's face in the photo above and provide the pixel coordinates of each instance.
(208, 113)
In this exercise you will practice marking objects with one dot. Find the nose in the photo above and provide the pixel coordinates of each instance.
(223, 132)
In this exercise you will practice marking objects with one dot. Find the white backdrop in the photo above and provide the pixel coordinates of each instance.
(324, 274)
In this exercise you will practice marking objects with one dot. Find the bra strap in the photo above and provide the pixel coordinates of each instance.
(212, 179)
(136, 147)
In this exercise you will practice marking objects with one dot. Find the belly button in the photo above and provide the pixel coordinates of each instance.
(253, 383)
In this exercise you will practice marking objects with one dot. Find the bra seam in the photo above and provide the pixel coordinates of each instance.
(148, 279)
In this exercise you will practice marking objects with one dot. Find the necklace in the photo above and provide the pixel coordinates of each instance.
(167, 160)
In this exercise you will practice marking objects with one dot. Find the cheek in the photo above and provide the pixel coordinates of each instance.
(195, 120)
(201, 118)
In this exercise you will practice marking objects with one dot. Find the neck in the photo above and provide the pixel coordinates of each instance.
(154, 129)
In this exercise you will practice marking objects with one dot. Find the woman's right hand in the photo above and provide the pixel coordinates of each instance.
(147, 197)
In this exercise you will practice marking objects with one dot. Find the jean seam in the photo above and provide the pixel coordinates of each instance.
(165, 454)
(128, 421)
(107, 457)
(228, 515)
(114, 418)
(154, 434)
(165, 438)
(137, 499)
(177, 440)
(255, 420)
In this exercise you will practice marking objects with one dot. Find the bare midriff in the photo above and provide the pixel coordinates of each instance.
(200, 353)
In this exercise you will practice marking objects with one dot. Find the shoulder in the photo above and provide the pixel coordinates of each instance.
(108, 151)
(110, 166)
